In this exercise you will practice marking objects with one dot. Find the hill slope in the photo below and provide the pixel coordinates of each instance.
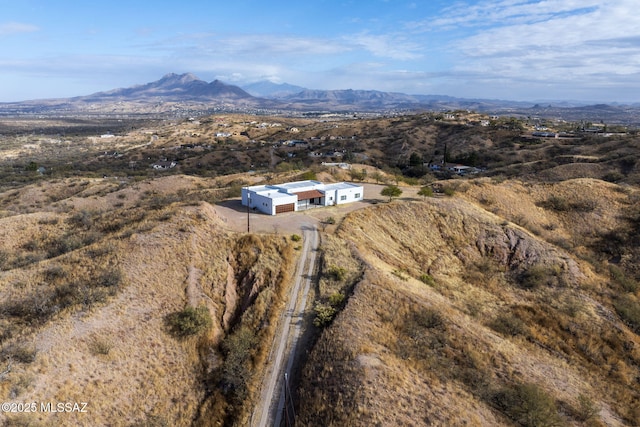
(463, 317)
(95, 288)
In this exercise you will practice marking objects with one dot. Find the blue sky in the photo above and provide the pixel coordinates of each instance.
(529, 50)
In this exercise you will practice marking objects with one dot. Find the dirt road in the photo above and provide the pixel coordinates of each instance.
(270, 411)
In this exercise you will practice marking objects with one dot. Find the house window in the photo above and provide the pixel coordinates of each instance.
(342, 198)
(357, 195)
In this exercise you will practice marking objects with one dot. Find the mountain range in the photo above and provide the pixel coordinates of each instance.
(174, 87)
(187, 94)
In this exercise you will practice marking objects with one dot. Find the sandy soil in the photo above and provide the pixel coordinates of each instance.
(235, 215)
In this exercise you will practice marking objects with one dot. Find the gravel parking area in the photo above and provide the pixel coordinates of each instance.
(235, 215)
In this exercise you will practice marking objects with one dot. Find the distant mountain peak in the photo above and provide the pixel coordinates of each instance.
(271, 89)
(177, 87)
(181, 78)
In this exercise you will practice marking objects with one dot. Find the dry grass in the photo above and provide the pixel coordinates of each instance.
(85, 289)
(462, 311)
(503, 292)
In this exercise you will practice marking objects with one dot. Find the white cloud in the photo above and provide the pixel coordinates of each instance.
(386, 45)
(9, 28)
(251, 45)
(510, 12)
(551, 43)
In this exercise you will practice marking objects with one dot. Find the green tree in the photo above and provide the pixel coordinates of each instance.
(425, 192)
(188, 322)
(358, 175)
(415, 160)
(391, 191)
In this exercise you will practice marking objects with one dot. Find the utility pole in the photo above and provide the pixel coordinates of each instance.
(248, 208)
(289, 415)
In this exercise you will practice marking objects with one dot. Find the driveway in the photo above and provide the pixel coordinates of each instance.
(235, 215)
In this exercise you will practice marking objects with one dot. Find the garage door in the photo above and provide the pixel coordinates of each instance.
(285, 208)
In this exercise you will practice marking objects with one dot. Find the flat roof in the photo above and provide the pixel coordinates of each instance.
(299, 184)
(273, 193)
(288, 189)
(341, 186)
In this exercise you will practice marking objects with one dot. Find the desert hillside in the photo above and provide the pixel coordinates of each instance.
(507, 295)
(500, 305)
(136, 300)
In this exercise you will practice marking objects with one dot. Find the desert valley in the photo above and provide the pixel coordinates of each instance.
(488, 276)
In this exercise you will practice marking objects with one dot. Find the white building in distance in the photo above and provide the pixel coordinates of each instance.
(300, 195)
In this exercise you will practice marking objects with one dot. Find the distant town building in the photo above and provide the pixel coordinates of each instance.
(164, 165)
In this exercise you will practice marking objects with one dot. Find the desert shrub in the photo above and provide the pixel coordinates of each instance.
(189, 321)
(426, 191)
(48, 221)
(427, 279)
(324, 314)
(336, 299)
(66, 243)
(113, 222)
(82, 219)
(238, 350)
(428, 318)
(584, 206)
(326, 222)
(109, 278)
(91, 296)
(587, 409)
(296, 237)
(533, 277)
(613, 177)
(54, 273)
(33, 310)
(508, 324)
(22, 353)
(4, 260)
(448, 190)
(555, 203)
(421, 336)
(336, 273)
(158, 201)
(538, 275)
(410, 180)
(234, 190)
(307, 175)
(628, 308)
(619, 277)
(527, 404)
(100, 346)
(560, 204)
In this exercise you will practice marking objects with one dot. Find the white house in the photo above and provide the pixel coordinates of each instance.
(163, 165)
(300, 195)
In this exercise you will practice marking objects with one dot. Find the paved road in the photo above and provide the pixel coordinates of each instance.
(269, 412)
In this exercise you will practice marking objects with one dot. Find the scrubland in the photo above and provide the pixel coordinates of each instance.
(151, 312)
(509, 299)
(500, 305)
